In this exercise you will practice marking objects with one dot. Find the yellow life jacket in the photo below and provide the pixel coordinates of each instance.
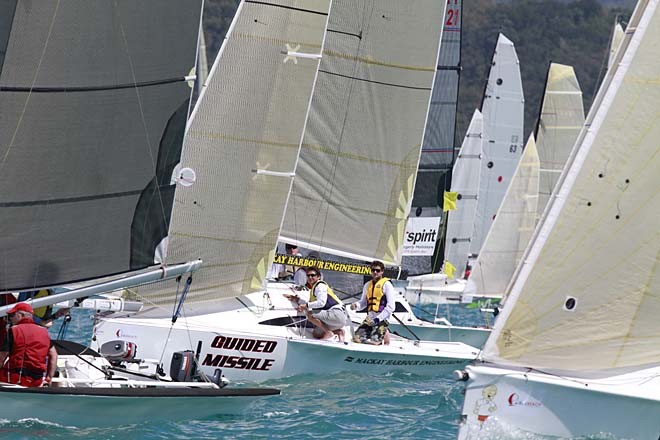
(376, 299)
(332, 300)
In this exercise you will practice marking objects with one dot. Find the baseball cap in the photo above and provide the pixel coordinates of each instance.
(21, 307)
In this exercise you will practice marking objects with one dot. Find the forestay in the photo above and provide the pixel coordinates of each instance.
(587, 298)
(511, 231)
(560, 122)
(356, 172)
(94, 99)
(241, 148)
(503, 112)
(465, 182)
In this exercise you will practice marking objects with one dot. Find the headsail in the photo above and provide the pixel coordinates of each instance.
(356, 173)
(241, 149)
(560, 122)
(586, 298)
(94, 100)
(502, 109)
(511, 231)
(465, 182)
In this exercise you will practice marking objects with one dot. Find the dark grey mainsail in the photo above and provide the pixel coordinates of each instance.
(438, 150)
(93, 105)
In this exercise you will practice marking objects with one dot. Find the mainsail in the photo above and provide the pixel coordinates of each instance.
(586, 298)
(94, 100)
(465, 182)
(503, 112)
(511, 231)
(241, 149)
(560, 122)
(357, 167)
(438, 149)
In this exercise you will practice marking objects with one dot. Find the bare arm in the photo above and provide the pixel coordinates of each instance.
(52, 363)
(3, 357)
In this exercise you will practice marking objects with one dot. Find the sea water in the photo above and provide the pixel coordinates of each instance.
(311, 406)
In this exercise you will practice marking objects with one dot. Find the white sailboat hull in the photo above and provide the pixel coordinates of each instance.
(624, 406)
(82, 410)
(255, 340)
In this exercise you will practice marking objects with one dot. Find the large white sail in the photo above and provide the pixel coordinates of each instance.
(94, 99)
(356, 172)
(586, 299)
(502, 109)
(560, 122)
(241, 149)
(465, 182)
(511, 231)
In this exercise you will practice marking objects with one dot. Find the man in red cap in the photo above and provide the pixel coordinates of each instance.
(29, 349)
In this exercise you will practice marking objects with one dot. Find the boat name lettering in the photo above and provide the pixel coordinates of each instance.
(238, 362)
(398, 361)
(515, 400)
(244, 344)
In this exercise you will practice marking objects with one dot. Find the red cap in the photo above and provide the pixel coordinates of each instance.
(21, 307)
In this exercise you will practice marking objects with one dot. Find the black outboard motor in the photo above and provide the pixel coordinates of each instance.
(119, 351)
(182, 366)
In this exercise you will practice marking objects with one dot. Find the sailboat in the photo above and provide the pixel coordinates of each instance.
(502, 112)
(95, 97)
(511, 231)
(437, 288)
(438, 148)
(243, 140)
(575, 350)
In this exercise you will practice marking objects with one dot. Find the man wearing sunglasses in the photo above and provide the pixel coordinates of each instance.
(324, 309)
(29, 350)
(378, 296)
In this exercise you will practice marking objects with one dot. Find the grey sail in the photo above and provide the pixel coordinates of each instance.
(439, 149)
(355, 176)
(94, 100)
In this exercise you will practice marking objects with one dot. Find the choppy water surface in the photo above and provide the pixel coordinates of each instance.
(312, 406)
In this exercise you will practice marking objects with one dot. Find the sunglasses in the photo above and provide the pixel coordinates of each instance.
(312, 274)
(375, 269)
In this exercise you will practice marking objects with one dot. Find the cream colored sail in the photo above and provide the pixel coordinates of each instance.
(511, 231)
(241, 149)
(355, 177)
(560, 122)
(465, 182)
(587, 298)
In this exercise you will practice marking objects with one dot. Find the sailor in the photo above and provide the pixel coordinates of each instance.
(28, 350)
(379, 298)
(324, 309)
(290, 271)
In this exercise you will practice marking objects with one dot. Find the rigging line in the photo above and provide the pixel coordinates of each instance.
(69, 89)
(34, 80)
(142, 116)
(376, 82)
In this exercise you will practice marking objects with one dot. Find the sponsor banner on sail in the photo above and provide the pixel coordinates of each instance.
(421, 235)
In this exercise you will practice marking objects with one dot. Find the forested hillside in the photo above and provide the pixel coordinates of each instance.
(575, 33)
